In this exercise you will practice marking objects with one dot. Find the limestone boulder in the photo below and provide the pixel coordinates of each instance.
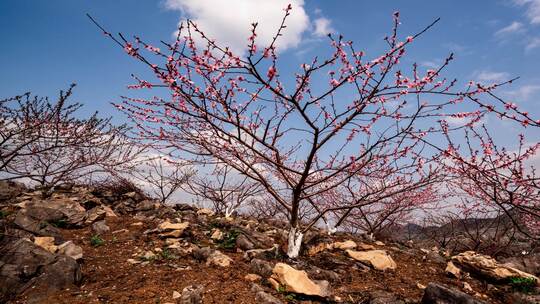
(378, 259)
(297, 281)
(452, 270)
(345, 245)
(168, 226)
(46, 242)
(172, 230)
(488, 267)
(218, 258)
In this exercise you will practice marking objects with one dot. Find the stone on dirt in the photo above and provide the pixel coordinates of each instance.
(192, 294)
(252, 277)
(378, 259)
(46, 242)
(217, 258)
(71, 250)
(263, 297)
(100, 227)
(439, 294)
(488, 267)
(297, 281)
(452, 270)
(261, 267)
(27, 264)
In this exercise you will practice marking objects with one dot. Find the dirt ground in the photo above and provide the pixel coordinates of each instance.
(109, 278)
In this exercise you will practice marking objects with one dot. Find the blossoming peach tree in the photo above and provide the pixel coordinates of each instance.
(302, 136)
(496, 180)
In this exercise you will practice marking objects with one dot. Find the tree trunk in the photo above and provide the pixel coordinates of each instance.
(229, 210)
(294, 242)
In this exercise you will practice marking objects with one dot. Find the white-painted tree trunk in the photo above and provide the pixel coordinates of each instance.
(229, 210)
(294, 243)
(330, 228)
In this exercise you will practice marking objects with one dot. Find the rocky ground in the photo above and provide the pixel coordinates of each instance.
(83, 245)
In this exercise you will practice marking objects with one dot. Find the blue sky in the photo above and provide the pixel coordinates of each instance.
(46, 45)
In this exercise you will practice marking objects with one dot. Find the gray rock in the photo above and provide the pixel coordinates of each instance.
(145, 205)
(244, 243)
(262, 253)
(261, 267)
(100, 227)
(44, 214)
(527, 263)
(192, 294)
(71, 250)
(436, 257)
(439, 294)
(35, 226)
(25, 264)
(317, 273)
(202, 254)
(9, 190)
(521, 298)
(384, 297)
(263, 297)
(95, 214)
(62, 211)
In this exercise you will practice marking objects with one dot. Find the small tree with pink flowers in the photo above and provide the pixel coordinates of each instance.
(496, 179)
(303, 135)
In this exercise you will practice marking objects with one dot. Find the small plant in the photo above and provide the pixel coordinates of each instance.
(61, 223)
(229, 239)
(525, 285)
(96, 241)
(166, 254)
(4, 213)
(148, 258)
(291, 297)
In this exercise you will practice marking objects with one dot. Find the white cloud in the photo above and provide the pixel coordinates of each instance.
(532, 44)
(514, 27)
(532, 9)
(490, 77)
(323, 27)
(457, 48)
(430, 64)
(524, 92)
(461, 121)
(229, 22)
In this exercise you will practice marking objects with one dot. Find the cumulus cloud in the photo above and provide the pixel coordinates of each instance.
(532, 9)
(229, 22)
(323, 27)
(514, 27)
